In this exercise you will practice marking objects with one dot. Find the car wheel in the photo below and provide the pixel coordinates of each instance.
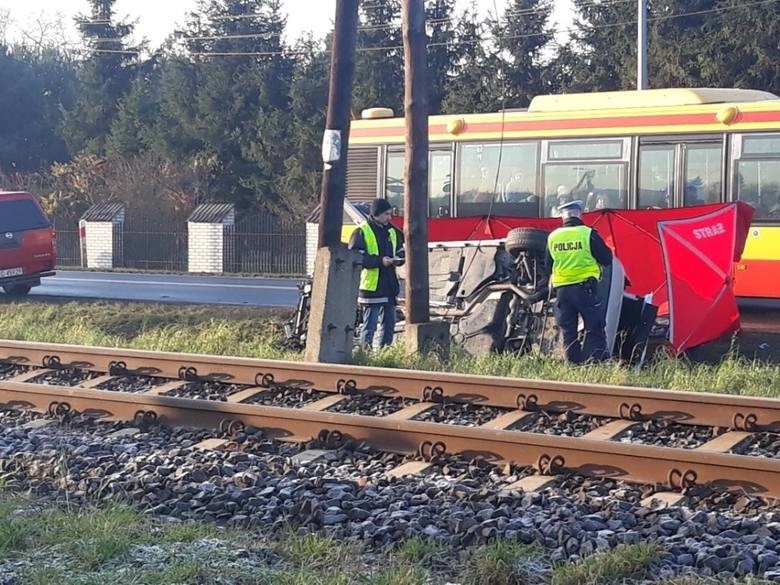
(526, 240)
(17, 290)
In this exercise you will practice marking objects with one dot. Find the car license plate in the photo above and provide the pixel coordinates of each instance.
(11, 272)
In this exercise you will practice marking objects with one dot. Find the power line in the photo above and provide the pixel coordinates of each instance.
(474, 41)
(264, 36)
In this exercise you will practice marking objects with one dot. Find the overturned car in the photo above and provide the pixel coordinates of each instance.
(489, 279)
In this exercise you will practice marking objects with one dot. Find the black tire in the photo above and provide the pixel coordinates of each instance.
(526, 240)
(17, 290)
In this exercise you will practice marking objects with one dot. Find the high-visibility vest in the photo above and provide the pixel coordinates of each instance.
(573, 261)
(369, 277)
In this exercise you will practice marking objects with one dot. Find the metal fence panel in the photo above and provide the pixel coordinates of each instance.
(155, 243)
(68, 252)
(265, 244)
(260, 243)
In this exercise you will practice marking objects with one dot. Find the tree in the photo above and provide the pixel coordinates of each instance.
(442, 52)
(475, 86)
(133, 128)
(379, 64)
(602, 54)
(227, 100)
(33, 86)
(104, 78)
(715, 43)
(308, 105)
(522, 34)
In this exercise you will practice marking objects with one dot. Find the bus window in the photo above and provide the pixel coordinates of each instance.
(498, 178)
(439, 183)
(585, 149)
(758, 184)
(598, 185)
(656, 177)
(439, 172)
(394, 181)
(757, 173)
(703, 174)
(761, 145)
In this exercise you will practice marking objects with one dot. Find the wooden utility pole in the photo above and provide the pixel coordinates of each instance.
(416, 160)
(336, 139)
(641, 60)
(420, 333)
(336, 270)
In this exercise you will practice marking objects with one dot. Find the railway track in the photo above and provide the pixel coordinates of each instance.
(674, 439)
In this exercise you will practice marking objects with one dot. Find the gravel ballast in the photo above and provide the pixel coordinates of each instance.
(268, 486)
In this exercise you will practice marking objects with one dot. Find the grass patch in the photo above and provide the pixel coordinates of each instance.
(419, 550)
(74, 548)
(92, 537)
(45, 576)
(314, 551)
(622, 563)
(499, 564)
(192, 329)
(184, 532)
(258, 332)
(692, 580)
(14, 530)
(401, 575)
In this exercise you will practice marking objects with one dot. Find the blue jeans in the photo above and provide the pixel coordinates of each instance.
(575, 300)
(371, 317)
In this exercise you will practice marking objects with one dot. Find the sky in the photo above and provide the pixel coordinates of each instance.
(156, 19)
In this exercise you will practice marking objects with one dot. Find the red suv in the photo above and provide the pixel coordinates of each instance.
(27, 248)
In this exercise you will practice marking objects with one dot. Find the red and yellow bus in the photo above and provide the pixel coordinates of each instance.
(635, 150)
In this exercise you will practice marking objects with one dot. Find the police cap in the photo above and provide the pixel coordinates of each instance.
(571, 205)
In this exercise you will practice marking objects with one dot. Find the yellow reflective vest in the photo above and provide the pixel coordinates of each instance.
(573, 261)
(369, 277)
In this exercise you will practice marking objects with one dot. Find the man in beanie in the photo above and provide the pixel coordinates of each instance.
(382, 245)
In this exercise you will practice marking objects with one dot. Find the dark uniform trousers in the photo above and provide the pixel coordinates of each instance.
(575, 300)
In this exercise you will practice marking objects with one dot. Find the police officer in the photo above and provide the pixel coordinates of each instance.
(576, 253)
(382, 246)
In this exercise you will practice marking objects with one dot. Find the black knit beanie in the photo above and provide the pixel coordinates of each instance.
(379, 206)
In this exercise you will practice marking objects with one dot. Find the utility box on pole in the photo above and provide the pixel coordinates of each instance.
(336, 269)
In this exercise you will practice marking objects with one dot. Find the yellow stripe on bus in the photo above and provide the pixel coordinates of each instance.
(762, 243)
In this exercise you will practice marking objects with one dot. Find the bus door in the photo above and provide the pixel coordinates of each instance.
(755, 180)
(677, 172)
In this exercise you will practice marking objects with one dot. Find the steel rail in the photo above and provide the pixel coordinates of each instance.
(677, 468)
(744, 413)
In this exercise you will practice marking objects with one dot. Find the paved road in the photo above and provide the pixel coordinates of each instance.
(167, 288)
(249, 292)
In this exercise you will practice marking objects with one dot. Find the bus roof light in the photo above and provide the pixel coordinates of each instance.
(377, 113)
